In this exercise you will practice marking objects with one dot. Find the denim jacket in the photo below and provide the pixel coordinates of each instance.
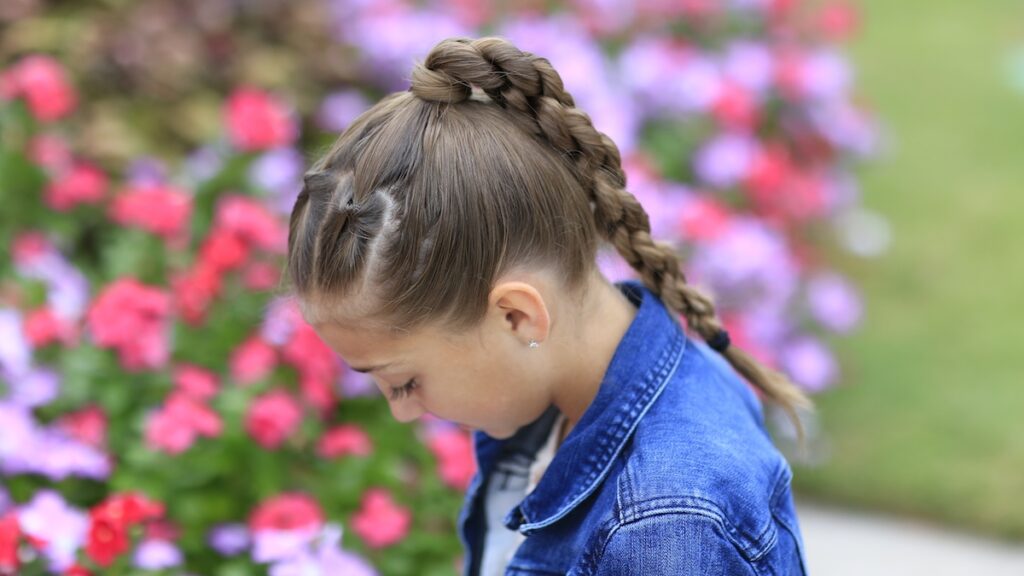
(669, 471)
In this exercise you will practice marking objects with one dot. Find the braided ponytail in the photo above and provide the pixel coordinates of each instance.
(530, 89)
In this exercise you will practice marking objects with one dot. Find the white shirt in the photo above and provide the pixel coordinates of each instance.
(512, 479)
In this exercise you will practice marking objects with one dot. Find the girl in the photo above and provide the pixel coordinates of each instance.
(446, 244)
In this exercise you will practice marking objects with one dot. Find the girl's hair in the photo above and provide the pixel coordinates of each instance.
(484, 165)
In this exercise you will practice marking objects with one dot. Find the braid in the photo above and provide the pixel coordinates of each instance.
(529, 87)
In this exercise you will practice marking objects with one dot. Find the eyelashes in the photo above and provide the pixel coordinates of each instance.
(405, 390)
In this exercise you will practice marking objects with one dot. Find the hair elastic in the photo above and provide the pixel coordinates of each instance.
(720, 341)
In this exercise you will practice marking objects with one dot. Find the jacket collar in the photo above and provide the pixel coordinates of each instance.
(648, 354)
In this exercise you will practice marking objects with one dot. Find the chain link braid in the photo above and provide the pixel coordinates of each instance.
(530, 89)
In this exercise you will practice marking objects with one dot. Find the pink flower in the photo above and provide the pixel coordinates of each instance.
(703, 219)
(287, 511)
(30, 245)
(252, 360)
(165, 433)
(174, 427)
(344, 440)
(88, 425)
(380, 522)
(195, 381)
(261, 276)
(131, 318)
(252, 222)
(50, 151)
(41, 80)
(159, 209)
(310, 355)
(82, 184)
(42, 326)
(454, 452)
(272, 417)
(257, 121)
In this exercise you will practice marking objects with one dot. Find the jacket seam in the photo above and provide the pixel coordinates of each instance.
(686, 511)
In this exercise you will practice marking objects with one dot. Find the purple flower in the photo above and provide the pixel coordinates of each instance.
(834, 302)
(229, 539)
(725, 159)
(26, 448)
(280, 320)
(203, 164)
(146, 170)
(15, 350)
(5, 500)
(157, 555)
(809, 363)
(279, 171)
(275, 545)
(749, 64)
(325, 558)
(845, 126)
(747, 267)
(339, 109)
(353, 384)
(37, 387)
(47, 516)
(826, 75)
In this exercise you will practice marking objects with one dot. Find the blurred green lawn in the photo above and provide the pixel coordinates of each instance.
(930, 418)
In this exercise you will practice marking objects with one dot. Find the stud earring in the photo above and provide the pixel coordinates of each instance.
(534, 343)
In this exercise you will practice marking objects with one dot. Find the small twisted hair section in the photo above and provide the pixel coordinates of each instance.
(485, 164)
(532, 90)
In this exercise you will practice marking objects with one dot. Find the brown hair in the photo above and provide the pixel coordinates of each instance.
(484, 164)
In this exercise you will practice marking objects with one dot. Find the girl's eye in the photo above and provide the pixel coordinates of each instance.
(405, 390)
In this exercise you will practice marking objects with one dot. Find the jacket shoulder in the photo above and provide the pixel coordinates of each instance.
(703, 449)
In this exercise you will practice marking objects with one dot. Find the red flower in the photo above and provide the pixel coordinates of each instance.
(82, 184)
(256, 120)
(454, 452)
(129, 508)
(77, 570)
(107, 539)
(161, 210)
(88, 425)
(252, 360)
(272, 418)
(194, 290)
(10, 534)
(287, 511)
(42, 82)
(380, 522)
(343, 440)
(310, 355)
(735, 107)
(223, 250)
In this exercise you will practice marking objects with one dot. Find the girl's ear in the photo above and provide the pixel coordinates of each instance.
(521, 308)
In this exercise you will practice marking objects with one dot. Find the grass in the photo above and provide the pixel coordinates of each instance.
(929, 420)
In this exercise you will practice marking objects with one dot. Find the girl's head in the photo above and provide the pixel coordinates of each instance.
(483, 170)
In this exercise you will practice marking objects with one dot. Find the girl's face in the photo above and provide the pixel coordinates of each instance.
(487, 379)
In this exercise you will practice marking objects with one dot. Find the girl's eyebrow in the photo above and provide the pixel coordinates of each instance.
(368, 369)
